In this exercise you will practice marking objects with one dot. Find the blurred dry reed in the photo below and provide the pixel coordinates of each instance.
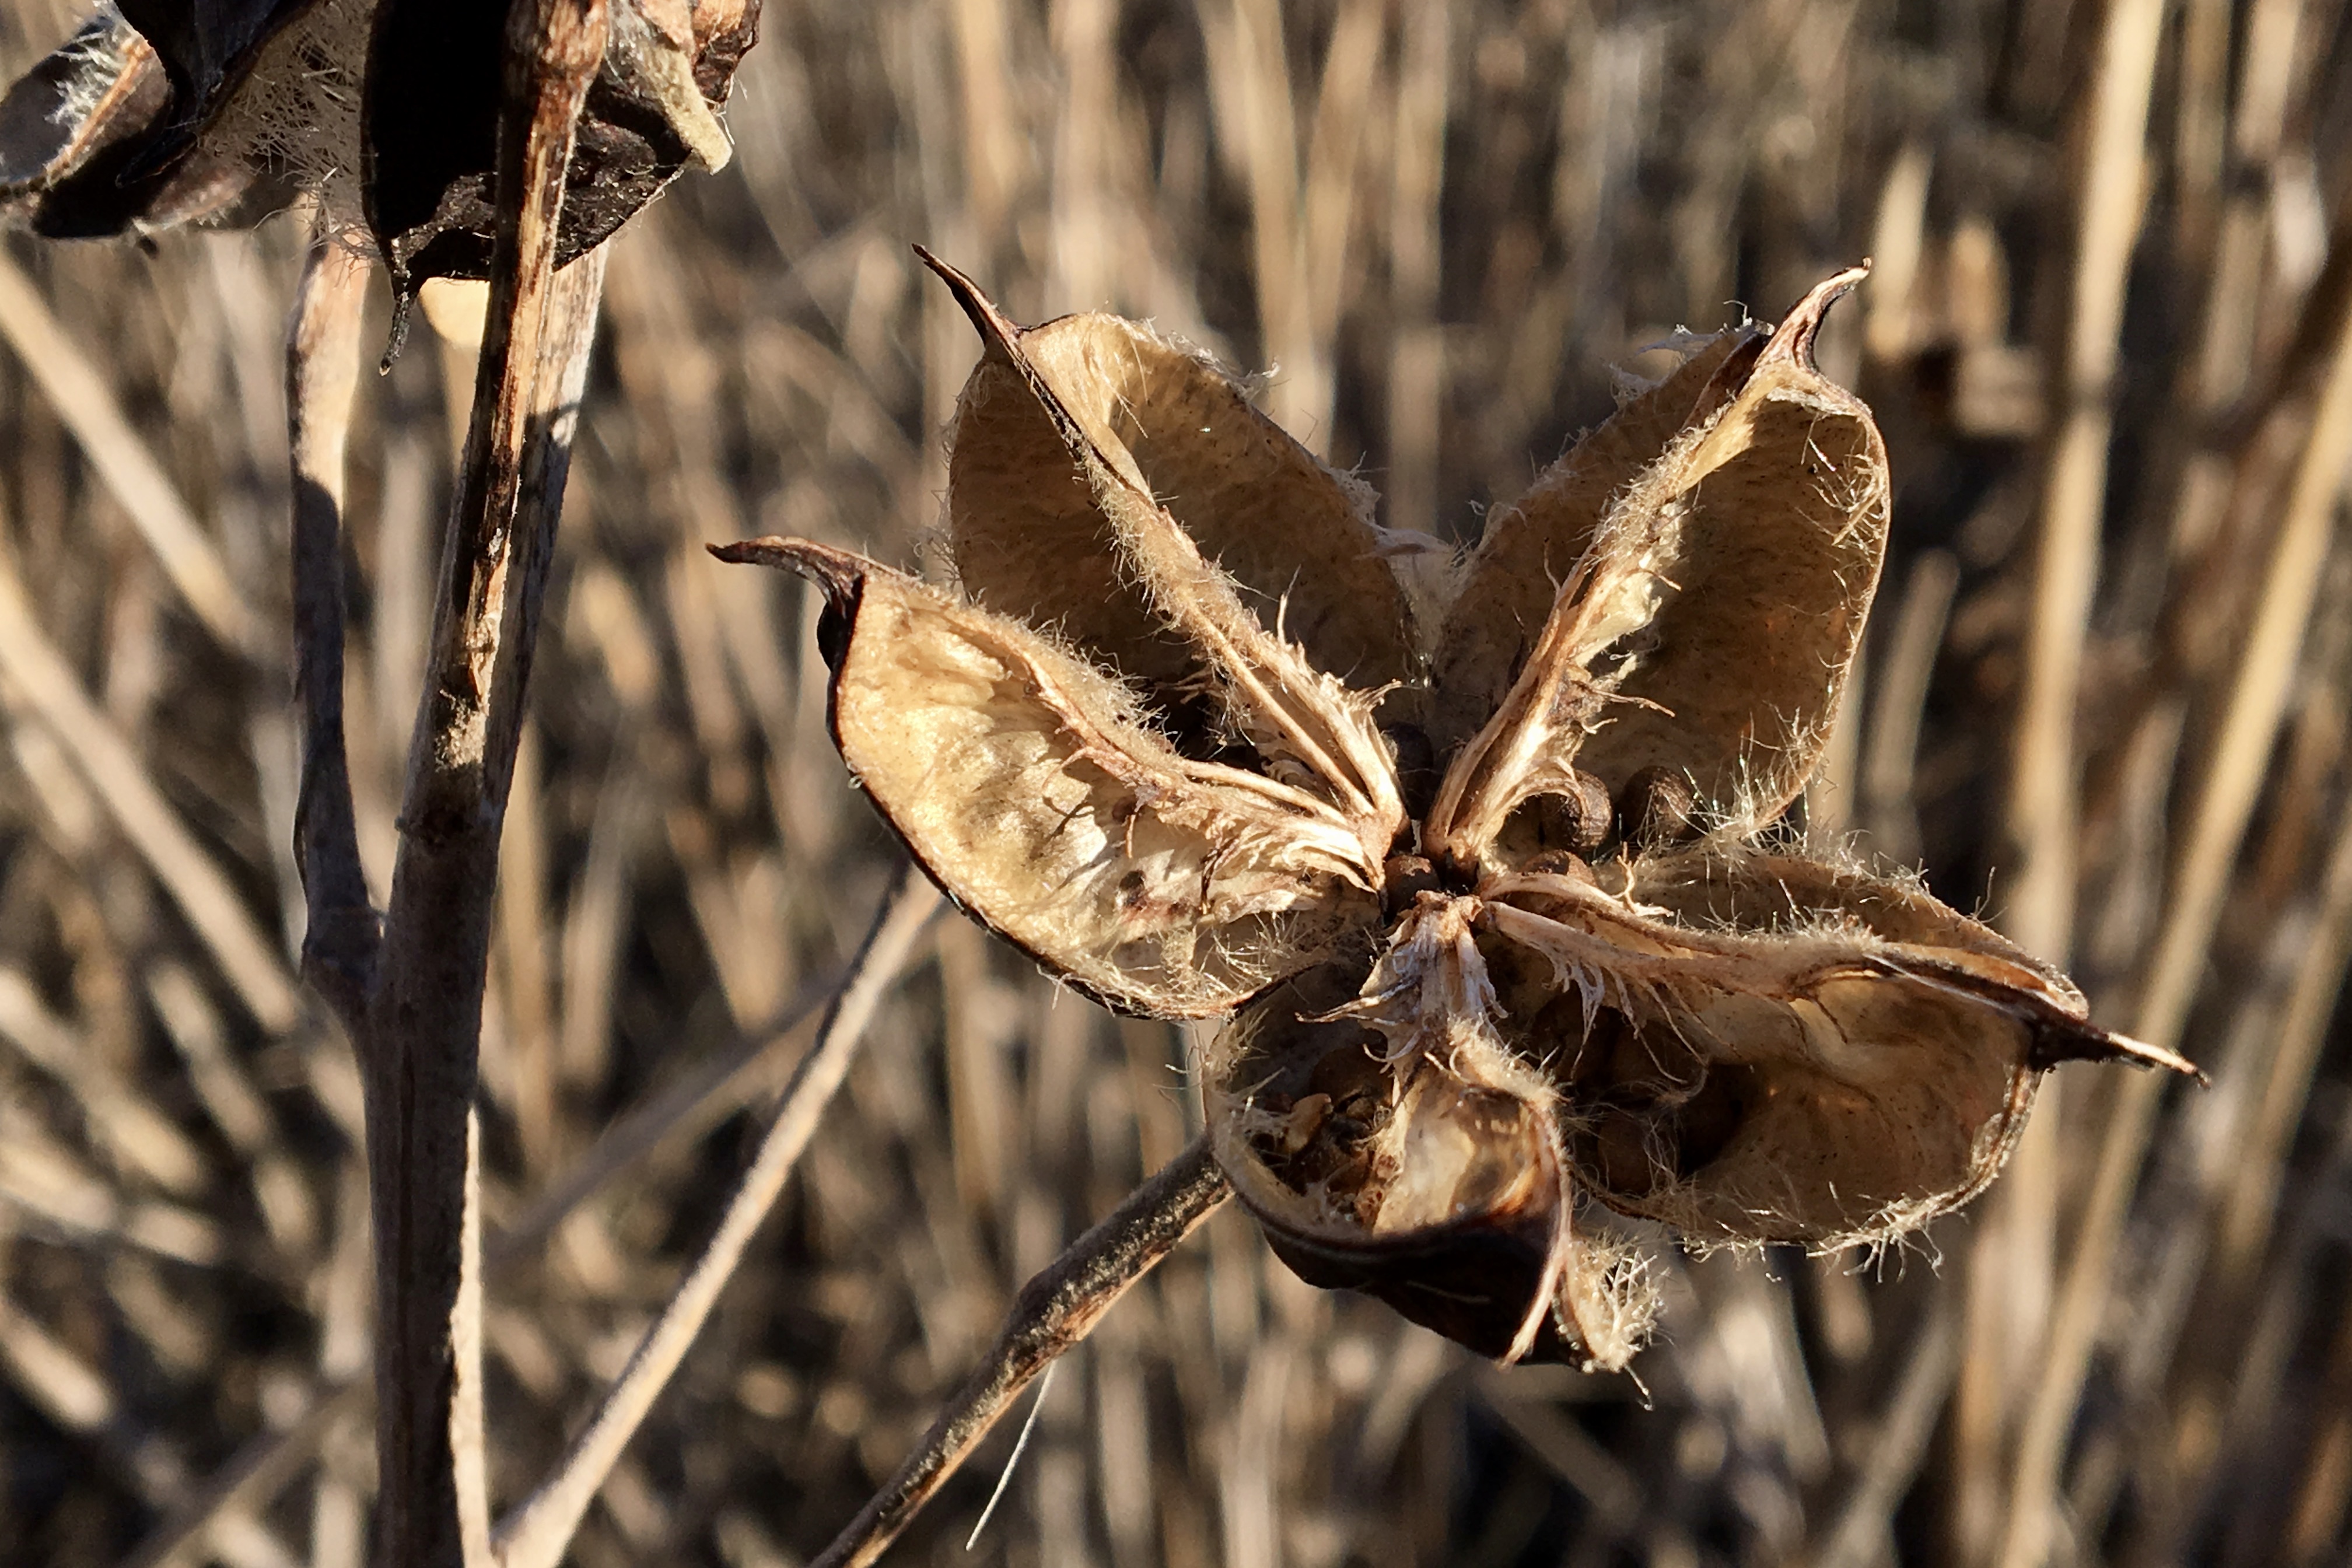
(2110, 340)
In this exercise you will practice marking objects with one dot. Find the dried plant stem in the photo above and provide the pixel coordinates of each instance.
(1417, 362)
(2012, 1265)
(1335, 153)
(49, 686)
(1898, 703)
(1568, 1451)
(2249, 1209)
(1863, 1529)
(2224, 800)
(2042, 785)
(252, 1479)
(2275, 1063)
(1053, 1313)
(536, 1534)
(322, 355)
(1263, 136)
(249, 1482)
(88, 408)
(416, 998)
(752, 1065)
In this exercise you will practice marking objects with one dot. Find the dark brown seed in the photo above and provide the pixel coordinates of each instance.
(1407, 877)
(1416, 766)
(1577, 819)
(1559, 863)
(1656, 809)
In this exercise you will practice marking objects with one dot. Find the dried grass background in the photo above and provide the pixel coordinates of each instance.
(1447, 226)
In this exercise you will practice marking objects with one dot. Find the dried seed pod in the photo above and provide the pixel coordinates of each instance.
(388, 108)
(1530, 545)
(104, 84)
(75, 138)
(1312, 731)
(1106, 400)
(203, 49)
(433, 85)
(1772, 1051)
(1436, 1186)
(1027, 784)
(1783, 1051)
(1458, 1046)
(1770, 523)
(1751, 545)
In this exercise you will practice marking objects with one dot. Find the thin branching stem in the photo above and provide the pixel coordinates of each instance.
(265, 1465)
(322, 355)
(537, 1533)
(1053, 1312)
(249, 1482)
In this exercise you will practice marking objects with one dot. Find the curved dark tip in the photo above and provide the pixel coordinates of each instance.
(1794, 339)
(2072, 1041)
(838, 572)
(996, 329)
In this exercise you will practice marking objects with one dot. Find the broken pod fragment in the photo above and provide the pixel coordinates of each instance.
(159, 113)
(1514, 977)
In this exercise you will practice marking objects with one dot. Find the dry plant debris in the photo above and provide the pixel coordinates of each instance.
(1479, 1015)
(157, 113)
